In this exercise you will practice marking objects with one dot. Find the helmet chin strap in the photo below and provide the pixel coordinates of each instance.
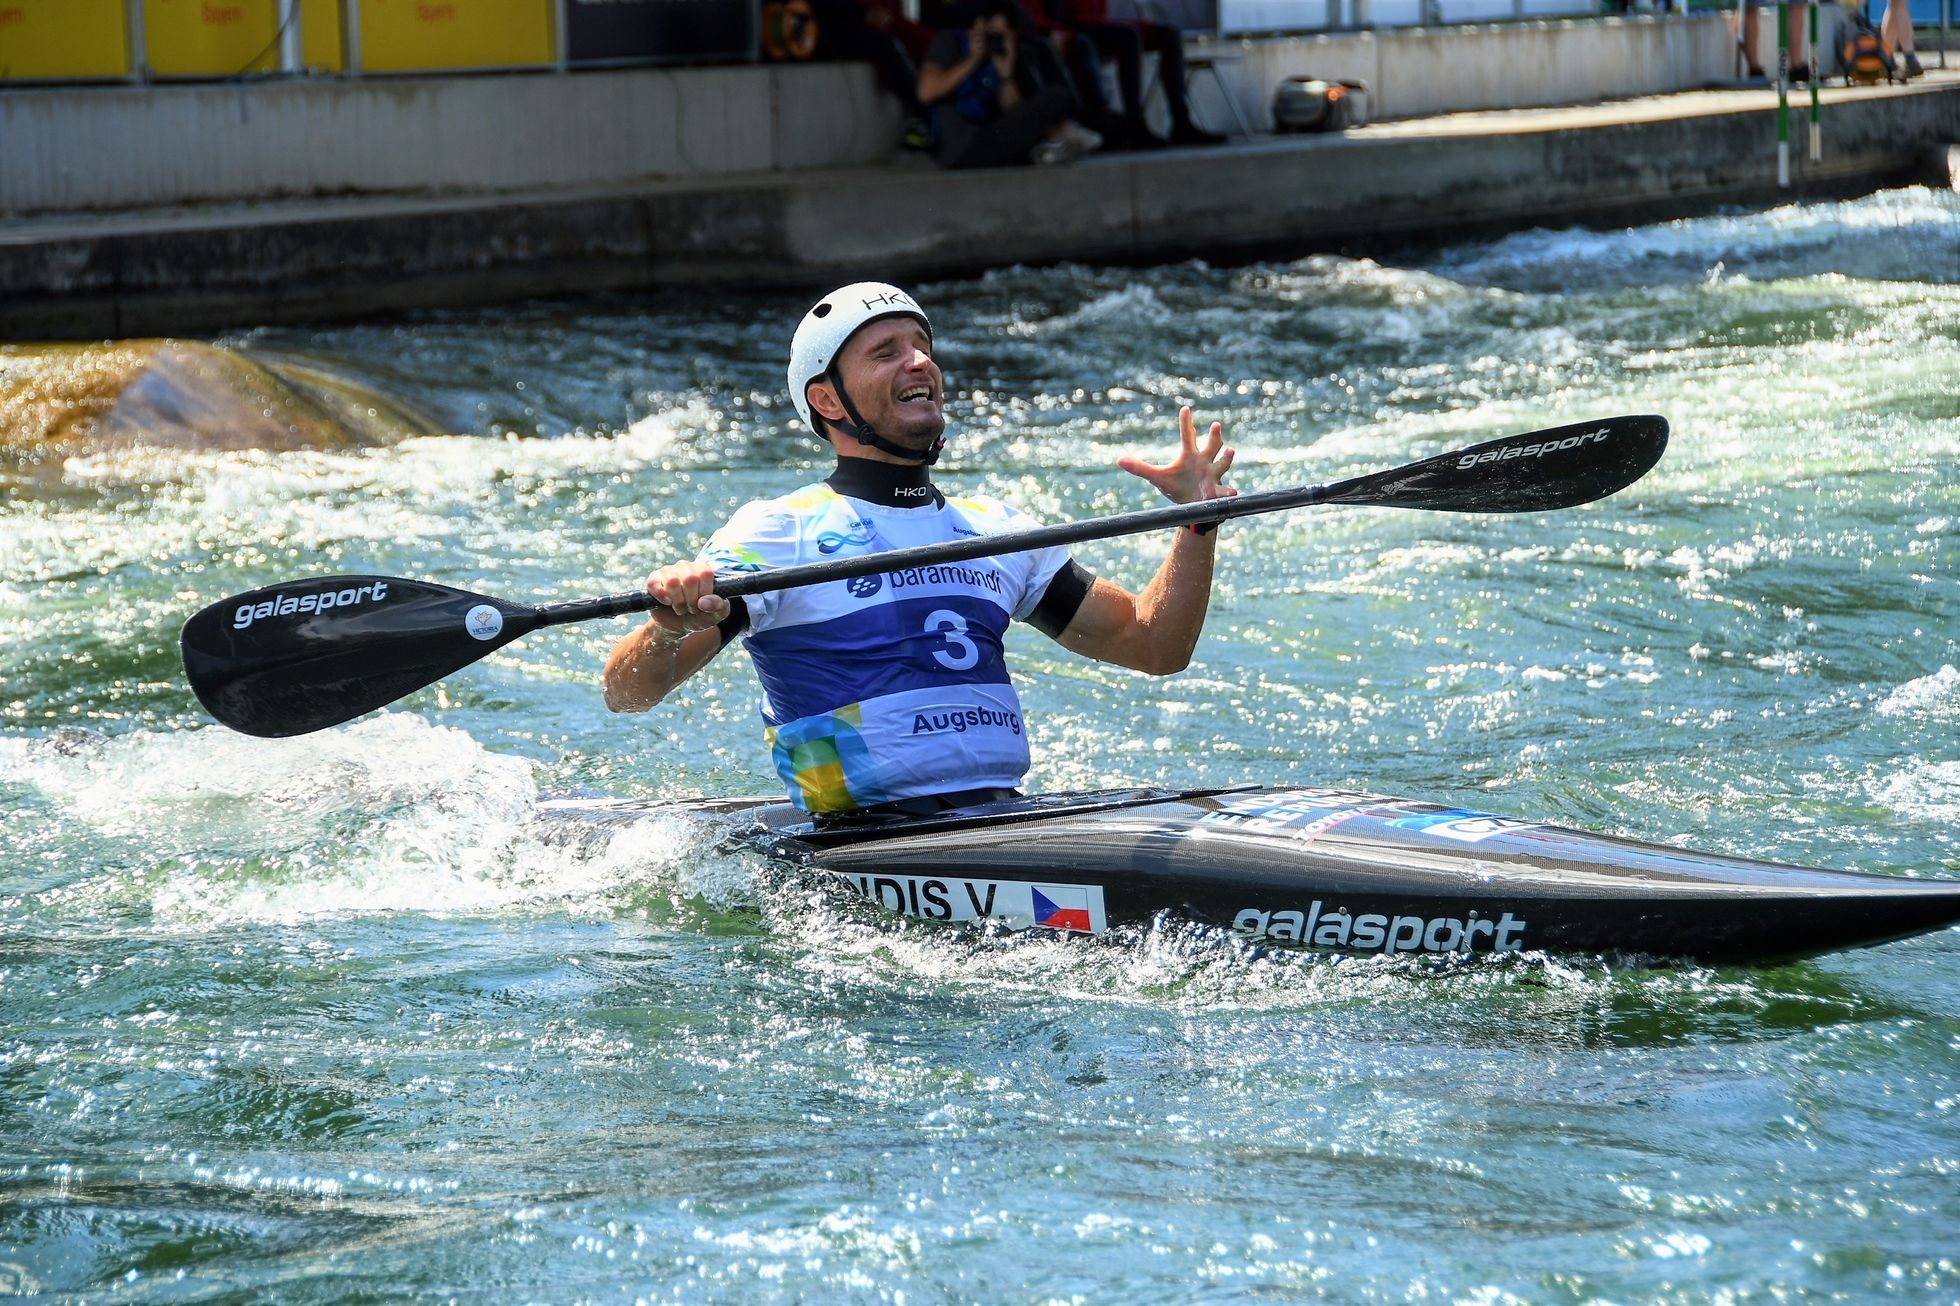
(860, 430)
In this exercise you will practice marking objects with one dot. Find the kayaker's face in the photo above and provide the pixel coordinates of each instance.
(888, 370)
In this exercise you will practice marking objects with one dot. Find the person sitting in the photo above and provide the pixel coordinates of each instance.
(874, 34)
(988, 109)
(1124, 41)
(1055, 53)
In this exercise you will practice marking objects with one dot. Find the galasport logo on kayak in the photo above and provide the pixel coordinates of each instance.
(1540, 450)
(1381, 931)
(287, 605)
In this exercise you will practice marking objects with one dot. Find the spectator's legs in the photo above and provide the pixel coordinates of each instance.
(1168, 42)
(1751, 31)
(1800, 38)
(1169, 45)
(1084, 59)
(1124, 45)
(1041, 65)
(1092, 104)
(1009, 139)
(1044, 68)
(1896, 28)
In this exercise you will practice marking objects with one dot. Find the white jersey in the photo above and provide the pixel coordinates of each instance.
(886, 686)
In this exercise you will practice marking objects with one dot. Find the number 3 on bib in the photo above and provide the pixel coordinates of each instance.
(951, 627)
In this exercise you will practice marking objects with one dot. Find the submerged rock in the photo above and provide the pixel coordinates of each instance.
(63, 400)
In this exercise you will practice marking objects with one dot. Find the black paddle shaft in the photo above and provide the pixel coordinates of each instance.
(1539, 472)
(301, 656)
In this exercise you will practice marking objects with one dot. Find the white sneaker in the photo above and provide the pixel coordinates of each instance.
(1087, 142)
(1069, 142)
(1050, 152)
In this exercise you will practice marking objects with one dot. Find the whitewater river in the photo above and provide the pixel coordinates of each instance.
(350, 1016)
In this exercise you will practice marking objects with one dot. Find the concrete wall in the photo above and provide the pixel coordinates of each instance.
(106, 277)
(80, 148)
(1339, 190)
(1300, 15)
(1415, 72)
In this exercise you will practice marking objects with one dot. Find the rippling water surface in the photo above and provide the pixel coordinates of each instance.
(349, 1015)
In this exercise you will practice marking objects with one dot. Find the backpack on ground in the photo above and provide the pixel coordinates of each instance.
(1863, 55)
(1310, 104)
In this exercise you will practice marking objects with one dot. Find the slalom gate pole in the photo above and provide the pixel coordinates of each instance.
(1816, 122)
(1783, 93)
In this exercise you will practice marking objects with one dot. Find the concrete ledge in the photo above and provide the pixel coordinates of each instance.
(1432, 179)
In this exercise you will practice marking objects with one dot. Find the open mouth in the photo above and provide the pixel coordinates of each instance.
(915, 393)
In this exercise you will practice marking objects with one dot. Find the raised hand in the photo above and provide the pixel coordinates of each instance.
(1198, 470)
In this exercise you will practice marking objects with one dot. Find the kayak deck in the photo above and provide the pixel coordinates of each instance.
(1339, 870)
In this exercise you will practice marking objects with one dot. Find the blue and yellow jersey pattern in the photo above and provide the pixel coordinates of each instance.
(886, 686)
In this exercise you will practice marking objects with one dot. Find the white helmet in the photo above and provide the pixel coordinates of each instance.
(820, 336)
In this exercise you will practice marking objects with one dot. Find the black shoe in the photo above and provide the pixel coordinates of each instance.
(1136, 136)
(1113, 127)
(1799, 72)
(1189, 133)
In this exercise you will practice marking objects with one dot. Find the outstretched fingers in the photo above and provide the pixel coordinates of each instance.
(1193, 474)
(1221, 463)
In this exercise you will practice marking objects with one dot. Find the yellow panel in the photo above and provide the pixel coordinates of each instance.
(319, 35)
(411, 35)
(62, 39)
(211, 38)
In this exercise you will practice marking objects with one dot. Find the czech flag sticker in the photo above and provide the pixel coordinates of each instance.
(1063, 907)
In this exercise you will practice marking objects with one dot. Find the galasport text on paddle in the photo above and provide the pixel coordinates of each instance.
(294, 658)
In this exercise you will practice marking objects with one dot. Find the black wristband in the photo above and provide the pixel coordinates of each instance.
(1205, 528)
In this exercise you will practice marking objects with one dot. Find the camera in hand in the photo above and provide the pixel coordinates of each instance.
(996, 43)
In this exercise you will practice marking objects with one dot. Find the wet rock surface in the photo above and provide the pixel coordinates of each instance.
(64, 400)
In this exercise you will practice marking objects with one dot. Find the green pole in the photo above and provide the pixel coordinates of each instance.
(1816, 120)
(1783, 93)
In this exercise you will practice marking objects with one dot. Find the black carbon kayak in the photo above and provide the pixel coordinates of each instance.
(1331, 869)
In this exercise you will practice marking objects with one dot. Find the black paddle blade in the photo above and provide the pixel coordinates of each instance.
(1559, 468)
(308, 654)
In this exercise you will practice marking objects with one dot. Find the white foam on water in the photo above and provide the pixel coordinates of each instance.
(438, 468)
(1931, 698)
(845, 943)
(388, 815)
(1925, 791)
(322, 503)
(1735, 243)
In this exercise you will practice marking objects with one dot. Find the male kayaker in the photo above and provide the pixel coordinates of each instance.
(890, 692)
